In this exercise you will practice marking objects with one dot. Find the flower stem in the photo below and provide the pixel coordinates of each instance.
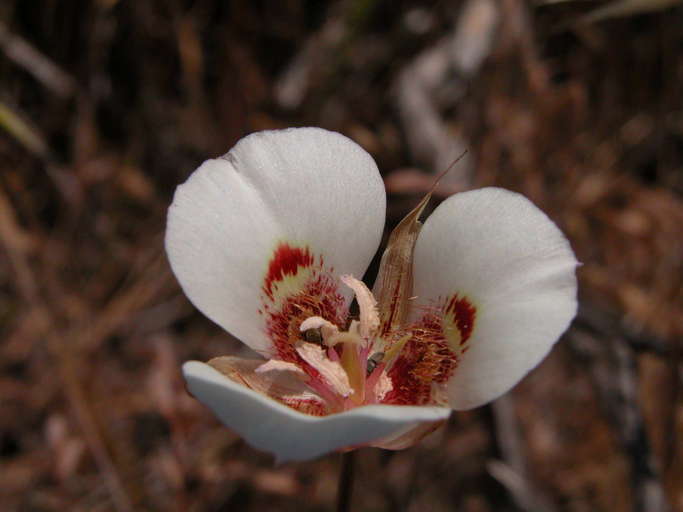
(345, 489)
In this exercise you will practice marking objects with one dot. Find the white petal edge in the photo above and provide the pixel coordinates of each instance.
(302, 186)
(290, 435)
(508, 257)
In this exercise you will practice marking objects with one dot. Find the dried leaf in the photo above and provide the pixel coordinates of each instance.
(394, 285)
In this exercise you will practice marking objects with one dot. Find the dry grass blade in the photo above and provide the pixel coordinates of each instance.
(27, 135)
(26, 56)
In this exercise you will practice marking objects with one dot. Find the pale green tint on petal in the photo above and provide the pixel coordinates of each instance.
(290, 435)
(506, 256)
(306, 187)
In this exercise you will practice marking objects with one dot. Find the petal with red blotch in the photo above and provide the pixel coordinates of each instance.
(307, 189)
(505, 276)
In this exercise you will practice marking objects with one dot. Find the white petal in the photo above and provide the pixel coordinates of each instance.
(306, 186)
(290, 435)
(506, 256)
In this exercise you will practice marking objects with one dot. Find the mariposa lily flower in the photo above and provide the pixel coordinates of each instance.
(271, 240)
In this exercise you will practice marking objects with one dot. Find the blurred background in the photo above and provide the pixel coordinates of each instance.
(107, 105)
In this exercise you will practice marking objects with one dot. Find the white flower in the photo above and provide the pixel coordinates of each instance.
(270, 242)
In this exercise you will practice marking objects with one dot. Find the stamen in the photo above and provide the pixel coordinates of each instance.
(332, 372)
(327, 329)
(344, 337)
(352, 365)
(373, 361)
(332, 354)
(313, 336)
(369, 315)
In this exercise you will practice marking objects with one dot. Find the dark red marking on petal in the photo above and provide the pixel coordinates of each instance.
(286, 261)
(319, 296)
(427, 358)
(464, 314)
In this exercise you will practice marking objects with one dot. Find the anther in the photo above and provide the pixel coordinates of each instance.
(373, 361)
(313, 336)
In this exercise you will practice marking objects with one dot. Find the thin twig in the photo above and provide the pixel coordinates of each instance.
(23, 131)
(41, 67)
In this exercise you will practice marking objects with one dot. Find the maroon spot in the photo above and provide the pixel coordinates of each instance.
(286, 261)
(319, 297)
(464, 314)
(426, 358)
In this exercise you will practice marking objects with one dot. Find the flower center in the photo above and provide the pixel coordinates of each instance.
(399, 364)
(343, 358)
